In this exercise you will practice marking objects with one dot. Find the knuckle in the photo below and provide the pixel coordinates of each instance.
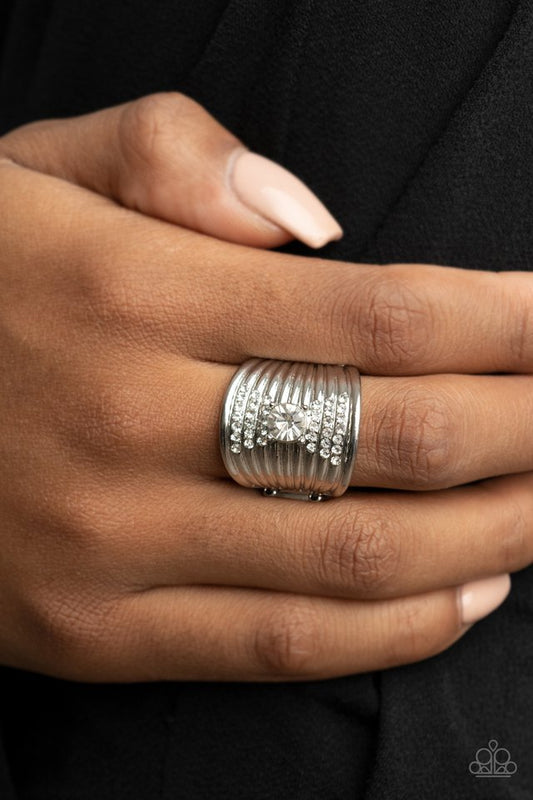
(148, 125)
(117, 298)
(396, 320)
(115, 423)
(286, 641)
(71, 628)
(147, 134)
(521, 339)
(514, 538)
(418, 437)
(113, 296)
(358, 552)
(413, 635)
(76, 524)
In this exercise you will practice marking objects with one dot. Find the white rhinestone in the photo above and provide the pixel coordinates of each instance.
(311, 447)
(249, 443)
(325, 453)
(337, 439)
(235, 448)
(336, 450)
(235, 437)
(249, 417)
(287, 422)
(335, 460)
(311, 437)
(261, 442)
(325, 442)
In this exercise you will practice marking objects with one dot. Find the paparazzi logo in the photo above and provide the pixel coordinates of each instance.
(492, 762)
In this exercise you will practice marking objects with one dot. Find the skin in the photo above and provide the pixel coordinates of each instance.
(128, 269)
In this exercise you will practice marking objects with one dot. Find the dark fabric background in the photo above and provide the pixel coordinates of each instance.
(413, 121)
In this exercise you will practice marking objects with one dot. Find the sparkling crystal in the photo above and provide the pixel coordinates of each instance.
(249, 443)
(235, 437)
(235, 448)
(324, 453)
(287, 422)
(337, 439)
(335, 460)
(311, 447)
(249, 417)
(326, 442)
(261, 442)
(336, 450)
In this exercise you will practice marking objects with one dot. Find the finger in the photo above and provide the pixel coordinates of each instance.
(364, 545)
(166, 156)
(212, 633)
(131, 273)
(430, 432)
(400, 319)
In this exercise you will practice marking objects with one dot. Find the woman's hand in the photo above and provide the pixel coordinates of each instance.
(125, 553)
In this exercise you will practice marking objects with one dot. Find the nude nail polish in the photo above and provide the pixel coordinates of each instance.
(282, 198)
(479, 598)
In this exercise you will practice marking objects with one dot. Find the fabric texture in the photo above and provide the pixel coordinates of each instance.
(413, 121)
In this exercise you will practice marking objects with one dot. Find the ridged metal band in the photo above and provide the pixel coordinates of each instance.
(292, 428)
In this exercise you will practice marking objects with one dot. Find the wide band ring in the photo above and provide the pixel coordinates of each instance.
(291, 428)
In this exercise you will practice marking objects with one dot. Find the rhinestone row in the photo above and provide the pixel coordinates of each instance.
(237, 419)
(335, 420)
(326, 430)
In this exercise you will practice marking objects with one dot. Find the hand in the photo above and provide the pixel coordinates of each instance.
(126, 554)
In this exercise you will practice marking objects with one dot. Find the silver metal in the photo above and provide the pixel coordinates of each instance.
(291, 428)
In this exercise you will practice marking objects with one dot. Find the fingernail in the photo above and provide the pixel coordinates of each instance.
(279, 196)
(479, 598)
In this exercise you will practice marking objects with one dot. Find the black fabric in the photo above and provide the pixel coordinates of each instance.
(414, 122)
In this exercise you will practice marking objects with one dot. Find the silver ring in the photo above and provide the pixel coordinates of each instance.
(291, 428)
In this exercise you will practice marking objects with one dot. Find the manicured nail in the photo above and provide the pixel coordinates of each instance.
(479, 598)
(279, 196)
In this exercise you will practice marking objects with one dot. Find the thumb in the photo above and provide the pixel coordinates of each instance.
(166, 156)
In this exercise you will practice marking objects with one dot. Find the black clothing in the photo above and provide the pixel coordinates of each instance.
(413, 121)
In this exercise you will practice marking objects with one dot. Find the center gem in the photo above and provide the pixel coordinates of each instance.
(286, 422)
